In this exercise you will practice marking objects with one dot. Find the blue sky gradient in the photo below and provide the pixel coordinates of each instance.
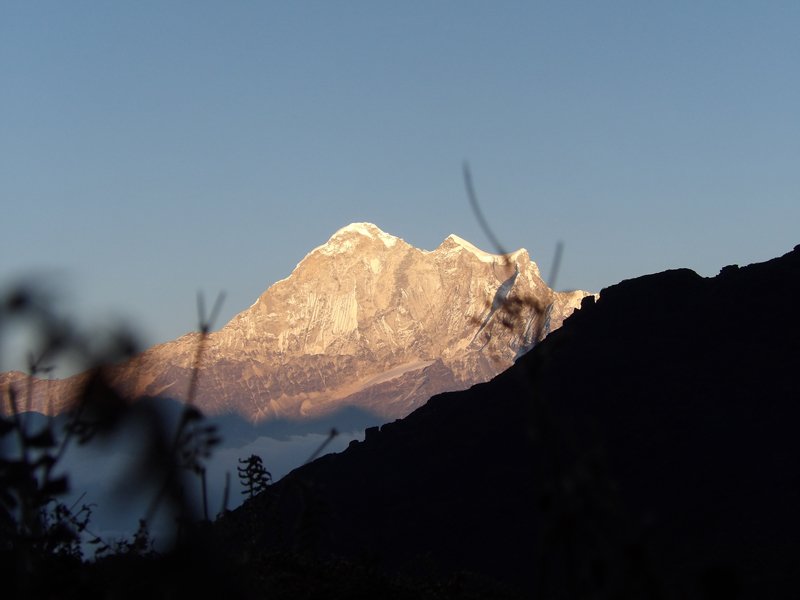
(151, 149)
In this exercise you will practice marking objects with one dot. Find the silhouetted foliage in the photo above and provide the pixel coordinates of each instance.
(253, 476)
(42, 539)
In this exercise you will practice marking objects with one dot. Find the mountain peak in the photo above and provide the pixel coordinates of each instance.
(453, 241)
(368, 230)
(347, 237)
(362, 228)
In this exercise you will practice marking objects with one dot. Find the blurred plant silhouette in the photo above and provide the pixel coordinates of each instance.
(39, 534)
(526, 314)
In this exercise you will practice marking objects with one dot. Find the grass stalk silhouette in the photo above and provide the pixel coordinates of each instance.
(585, 534)
(37, 531)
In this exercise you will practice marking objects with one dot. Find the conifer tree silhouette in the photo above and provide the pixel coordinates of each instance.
(253, 476)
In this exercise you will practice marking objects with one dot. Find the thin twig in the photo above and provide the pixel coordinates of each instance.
(205, 324)
(333, 433)
(556, 265)
(476, 209)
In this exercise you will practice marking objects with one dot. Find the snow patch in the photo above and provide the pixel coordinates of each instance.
(366, 229)
(344, 241)
(480, 254)
(375, 265)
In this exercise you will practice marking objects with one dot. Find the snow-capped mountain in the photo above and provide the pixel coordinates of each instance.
(364, 320)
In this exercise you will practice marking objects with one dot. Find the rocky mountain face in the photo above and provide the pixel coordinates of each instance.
(364, 320)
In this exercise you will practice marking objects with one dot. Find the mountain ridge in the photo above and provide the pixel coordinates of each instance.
(364, 320)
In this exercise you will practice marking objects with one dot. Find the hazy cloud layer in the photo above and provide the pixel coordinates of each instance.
(100, 474)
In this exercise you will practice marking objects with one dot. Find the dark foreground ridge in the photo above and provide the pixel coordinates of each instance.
(647, 449)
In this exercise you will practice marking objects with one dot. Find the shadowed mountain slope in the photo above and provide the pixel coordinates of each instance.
(647, 449)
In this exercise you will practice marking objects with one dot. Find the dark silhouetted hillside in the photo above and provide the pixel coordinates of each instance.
(648, 448)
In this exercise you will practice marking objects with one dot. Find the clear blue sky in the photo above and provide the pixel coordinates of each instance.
(151, 149)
